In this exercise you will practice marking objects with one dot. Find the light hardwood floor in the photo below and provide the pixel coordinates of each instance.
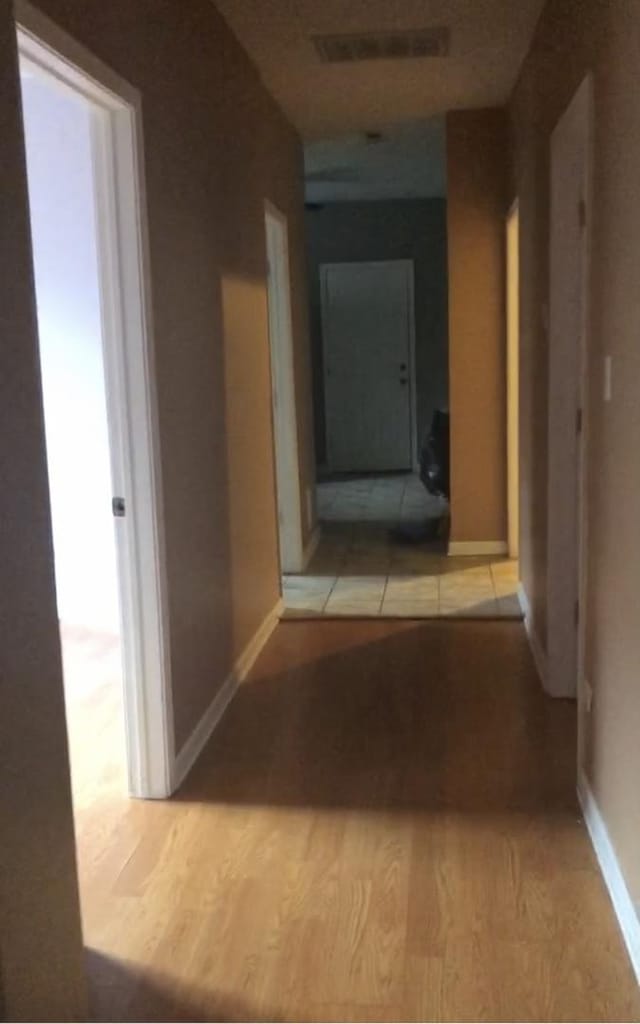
(384, 827)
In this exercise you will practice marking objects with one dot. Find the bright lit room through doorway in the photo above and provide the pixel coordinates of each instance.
(88, 246)
(65, 257)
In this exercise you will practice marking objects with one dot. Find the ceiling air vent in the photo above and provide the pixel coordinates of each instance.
(427, 42)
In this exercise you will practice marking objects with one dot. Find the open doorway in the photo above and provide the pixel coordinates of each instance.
(570, 174)
(89, 244)
(513, 377)
(283, 393)
(57, 127)
(377, 254)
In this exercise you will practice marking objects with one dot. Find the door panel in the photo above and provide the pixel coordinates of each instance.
(568, 292)
(367, 311)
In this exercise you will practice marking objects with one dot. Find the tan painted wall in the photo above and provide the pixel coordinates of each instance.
(573, 37)
(216, 147)
(39, 914)
(476, 210)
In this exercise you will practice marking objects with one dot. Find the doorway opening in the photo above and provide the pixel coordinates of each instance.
(65, 259)
(377, 240)
(81, 129)
(513, 377)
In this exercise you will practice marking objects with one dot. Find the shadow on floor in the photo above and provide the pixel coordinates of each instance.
(119, 990)
(373, 548)
(441, 715)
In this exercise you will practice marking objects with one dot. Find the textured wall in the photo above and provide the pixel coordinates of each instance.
(573, 38)
(215, 147)
(476, 192)
(40, 941)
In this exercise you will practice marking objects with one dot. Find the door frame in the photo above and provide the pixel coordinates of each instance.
(130, 386)
(409, 266)
(283, 394)
(581, 106)
(513, 377)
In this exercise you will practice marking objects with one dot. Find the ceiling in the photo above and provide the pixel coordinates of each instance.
(489, 39)
(407, 162)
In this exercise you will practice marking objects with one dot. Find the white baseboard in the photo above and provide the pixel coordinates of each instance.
(312, 546)
(478, 547)
(623, 905)
(188, 755)
(539, 654)
(245, 661)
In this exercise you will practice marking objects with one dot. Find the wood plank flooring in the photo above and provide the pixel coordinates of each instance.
(384, 827)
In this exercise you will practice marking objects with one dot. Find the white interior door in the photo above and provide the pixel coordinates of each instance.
(367, 324)
(567, 348)
(283, 394)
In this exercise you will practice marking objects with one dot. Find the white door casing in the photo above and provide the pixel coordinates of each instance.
(369, 373)
(127, 331)
(513, 380)
(285, 423)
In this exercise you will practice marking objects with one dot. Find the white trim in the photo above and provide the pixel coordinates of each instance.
(189, 753)
(514, 208)
(623, 905)
(246, 660)
(312, 546)
(283, 392)
(409, 264)
(199, 737)
(130, 386)
(477, 547)
(512, 366)
(537, 650)
(583, 473)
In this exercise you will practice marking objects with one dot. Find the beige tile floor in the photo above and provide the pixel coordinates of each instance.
(359, 570)
(391, 498)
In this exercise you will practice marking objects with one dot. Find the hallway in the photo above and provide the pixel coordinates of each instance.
(384, 826)
(383, 553)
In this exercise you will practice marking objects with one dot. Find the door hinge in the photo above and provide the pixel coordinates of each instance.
(582, 213)
(118, 507)
(578, 421)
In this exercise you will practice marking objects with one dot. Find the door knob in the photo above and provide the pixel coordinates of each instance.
(403, 380)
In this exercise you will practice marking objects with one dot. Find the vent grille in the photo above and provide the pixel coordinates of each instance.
(340, 49)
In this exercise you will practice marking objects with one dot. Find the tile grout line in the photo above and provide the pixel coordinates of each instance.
(331, 589)
(384, 592)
